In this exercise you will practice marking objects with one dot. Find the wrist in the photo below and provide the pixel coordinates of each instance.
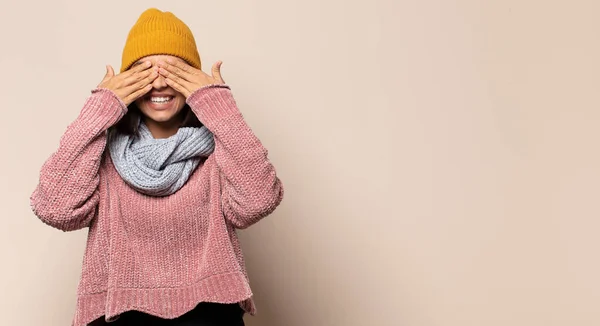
(212, 102)
(108, 93)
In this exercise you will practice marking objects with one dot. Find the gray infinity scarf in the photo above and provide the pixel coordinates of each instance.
(159, 167)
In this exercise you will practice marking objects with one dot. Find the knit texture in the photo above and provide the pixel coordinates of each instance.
(159, 167)
(160, 32)
(159, 255)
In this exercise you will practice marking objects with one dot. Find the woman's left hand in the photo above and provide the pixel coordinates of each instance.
(186, 79)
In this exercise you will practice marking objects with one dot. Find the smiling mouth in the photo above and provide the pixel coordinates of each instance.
(161, 99)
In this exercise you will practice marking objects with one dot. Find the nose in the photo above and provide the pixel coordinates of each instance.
(159, 82)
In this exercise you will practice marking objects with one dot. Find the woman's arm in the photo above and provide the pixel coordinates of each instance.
(250, 187)
(66, 196)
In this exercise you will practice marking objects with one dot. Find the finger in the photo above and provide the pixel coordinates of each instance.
(182, 70)
(175, 78)
(141, 87)
(216, 72)
(142, 83)
(137, 94)
(140, 76)
(142, 66)
(177, 86)
(137, 69)
(109, 73)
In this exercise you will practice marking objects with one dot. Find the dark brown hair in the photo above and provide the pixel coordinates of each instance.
(128, 124)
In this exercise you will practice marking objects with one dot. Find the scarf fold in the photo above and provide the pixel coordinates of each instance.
(159, 167)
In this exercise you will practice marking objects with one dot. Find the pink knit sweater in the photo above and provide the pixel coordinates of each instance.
(159, 255)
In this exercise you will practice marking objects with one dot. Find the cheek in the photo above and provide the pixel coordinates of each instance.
(181, 101)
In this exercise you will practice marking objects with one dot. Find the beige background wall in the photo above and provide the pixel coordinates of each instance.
(440, 158)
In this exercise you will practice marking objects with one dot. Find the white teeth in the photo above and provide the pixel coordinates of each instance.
(160, 99)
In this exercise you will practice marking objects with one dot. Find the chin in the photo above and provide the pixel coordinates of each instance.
(161, 117)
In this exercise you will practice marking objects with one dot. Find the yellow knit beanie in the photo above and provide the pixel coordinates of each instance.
(158, 32)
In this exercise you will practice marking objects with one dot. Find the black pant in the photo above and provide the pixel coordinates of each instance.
(205, 314)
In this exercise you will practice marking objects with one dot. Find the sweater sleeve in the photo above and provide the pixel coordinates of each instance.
(66, 196)
(250, 187)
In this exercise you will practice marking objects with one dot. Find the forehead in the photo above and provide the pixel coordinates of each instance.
(156, 58)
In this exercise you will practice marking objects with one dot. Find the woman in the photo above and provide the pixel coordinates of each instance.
(162, 168)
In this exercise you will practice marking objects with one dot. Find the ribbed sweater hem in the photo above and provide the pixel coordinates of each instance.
(165, 303)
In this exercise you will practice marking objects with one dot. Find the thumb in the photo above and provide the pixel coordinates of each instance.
(109, 73)
(216, 71)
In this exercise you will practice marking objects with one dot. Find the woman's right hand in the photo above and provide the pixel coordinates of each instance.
(131, 84)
